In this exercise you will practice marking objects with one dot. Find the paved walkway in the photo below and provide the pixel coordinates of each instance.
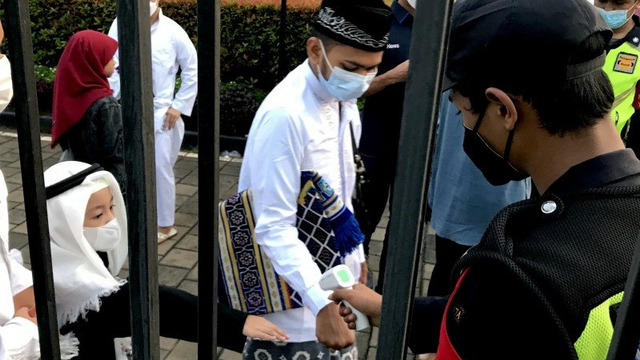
(178, 265)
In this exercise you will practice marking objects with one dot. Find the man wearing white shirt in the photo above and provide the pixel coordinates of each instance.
(305, 124)
(171, 49)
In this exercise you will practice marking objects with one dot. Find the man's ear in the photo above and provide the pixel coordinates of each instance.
(505, 106)
(314, 52)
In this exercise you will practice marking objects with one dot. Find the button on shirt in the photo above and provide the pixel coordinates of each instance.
(298, 127)
(171, 49)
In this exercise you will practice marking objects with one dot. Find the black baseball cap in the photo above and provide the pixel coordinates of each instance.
(524, 40)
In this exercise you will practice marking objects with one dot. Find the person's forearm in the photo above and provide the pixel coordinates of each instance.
(378, 84)
(427, 316)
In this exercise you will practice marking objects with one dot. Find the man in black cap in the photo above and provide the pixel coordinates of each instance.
(547, 278)
(305, 124)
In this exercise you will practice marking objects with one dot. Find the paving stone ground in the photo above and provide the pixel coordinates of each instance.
(178, 265)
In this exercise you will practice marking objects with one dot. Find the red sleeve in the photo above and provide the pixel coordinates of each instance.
(636, 99)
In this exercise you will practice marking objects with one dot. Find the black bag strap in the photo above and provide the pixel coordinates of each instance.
(357, 159)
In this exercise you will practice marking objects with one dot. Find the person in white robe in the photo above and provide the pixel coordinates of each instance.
(171, 50)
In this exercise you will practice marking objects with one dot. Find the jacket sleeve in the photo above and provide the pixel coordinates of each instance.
(424, 329)
(19, 340)
(188, 60)
(230, 326)
(276, 160)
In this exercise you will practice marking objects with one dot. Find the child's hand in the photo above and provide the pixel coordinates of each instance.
(256, 327)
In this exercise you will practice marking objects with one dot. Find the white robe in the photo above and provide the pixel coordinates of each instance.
(171, 49)
(18, 336)
(298, 128)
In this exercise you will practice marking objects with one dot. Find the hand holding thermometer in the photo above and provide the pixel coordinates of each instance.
(341, 277)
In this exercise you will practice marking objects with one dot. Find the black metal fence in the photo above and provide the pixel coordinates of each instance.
(406, 224)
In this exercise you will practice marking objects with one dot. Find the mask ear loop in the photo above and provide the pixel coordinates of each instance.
(324, 55)
(480, 118)
(507, 147)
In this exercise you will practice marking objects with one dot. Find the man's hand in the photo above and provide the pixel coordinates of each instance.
(26, 313)
(170, 119)
(256, 327)
(361, 298)
(364, 272)
(331, 329)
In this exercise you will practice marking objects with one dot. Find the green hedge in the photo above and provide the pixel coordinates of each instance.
(249, 35)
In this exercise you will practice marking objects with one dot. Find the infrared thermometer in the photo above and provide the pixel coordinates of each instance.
(340, 277)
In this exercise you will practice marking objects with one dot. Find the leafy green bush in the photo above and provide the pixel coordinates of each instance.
(249, 34)
(239, 102)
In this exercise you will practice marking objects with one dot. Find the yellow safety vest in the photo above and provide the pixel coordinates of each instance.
(621, 67)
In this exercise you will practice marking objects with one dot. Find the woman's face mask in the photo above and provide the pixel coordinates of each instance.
(342, 84)
(103, 238)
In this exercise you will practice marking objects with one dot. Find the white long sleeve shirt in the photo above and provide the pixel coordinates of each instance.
(18, 336)
(297, 128)
(171, 49)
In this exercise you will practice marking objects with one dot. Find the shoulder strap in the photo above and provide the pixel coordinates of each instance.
(357, 159)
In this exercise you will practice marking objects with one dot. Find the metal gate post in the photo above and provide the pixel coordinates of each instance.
(134, 37)
(35, 200)
(421, 105)
(208, 170)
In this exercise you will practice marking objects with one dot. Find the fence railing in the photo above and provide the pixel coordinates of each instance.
(407, 222)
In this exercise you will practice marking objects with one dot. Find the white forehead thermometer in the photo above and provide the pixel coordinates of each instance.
(340, 277)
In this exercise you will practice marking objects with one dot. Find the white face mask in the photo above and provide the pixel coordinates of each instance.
(342, 84)
(412, 3)
(153, 6)
(103, 238)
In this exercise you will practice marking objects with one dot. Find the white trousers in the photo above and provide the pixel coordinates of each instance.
(168, 144)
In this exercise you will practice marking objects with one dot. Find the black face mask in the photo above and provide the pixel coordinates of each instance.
(495, 168)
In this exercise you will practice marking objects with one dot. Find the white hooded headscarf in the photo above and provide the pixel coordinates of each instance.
(80, 277)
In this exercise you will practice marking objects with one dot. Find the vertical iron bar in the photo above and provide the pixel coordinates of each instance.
(134, 37)
(627, 329)
(421, 105)
(208, 171)
(28, 123)
(282, 46)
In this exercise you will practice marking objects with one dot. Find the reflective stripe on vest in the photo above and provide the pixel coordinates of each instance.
(621, 66)
(595, 339)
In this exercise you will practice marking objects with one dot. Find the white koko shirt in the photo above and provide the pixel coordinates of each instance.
(171, 49)
(297, 128)
(18, 336)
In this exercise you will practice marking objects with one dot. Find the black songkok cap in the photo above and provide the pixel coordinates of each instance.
(362, 24)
